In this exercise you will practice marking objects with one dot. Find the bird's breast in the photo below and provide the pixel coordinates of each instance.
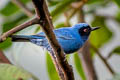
(70, 46)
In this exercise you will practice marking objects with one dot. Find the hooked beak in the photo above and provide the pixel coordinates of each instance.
(94, 28)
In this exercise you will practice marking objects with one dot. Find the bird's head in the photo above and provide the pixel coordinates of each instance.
(84, 30)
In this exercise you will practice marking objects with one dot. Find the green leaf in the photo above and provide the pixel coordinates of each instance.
(53, 2)
(6, 44)
(101, 36)
(118, 16)
(51, 68)
(59, 7)
(11, 8)
(10, 72)
(78, 66)
(92, 52)
(116, 50)
(9, 24)
(60, 25)
(116, 77)
(37, 29)
(117, 2)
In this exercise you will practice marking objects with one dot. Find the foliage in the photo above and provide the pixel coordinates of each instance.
(14, 16)
(97, 38)
(51, 68)
(10, 72)
(78, 66)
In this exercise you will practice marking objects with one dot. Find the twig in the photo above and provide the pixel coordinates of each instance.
(103, 59)
(27, 11)
(58, 55)
(76, 6)
(66, 23)
(3, 58)
(87, 62)
(109, 55)
(18, 28)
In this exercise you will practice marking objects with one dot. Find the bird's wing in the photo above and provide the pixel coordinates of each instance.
(41, 40)
(63, 34)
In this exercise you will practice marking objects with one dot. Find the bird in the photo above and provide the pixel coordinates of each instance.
(71, 39)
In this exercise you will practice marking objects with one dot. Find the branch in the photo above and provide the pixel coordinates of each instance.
(76, 6)
(66, 23)
(58, 55)
(27, 11)
(18, 28)
(3, 58)
(87, 62)
(103, 59)
(109, 55)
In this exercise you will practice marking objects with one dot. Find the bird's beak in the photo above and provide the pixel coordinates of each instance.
(94, 28)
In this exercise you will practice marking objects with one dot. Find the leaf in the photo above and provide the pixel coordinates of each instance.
(116, 50)
(59, 25)
(51, 68)
(37, 29)
(117, 16)
(53, 2)
(59, 7)
(10, 8)
(9, 24)
(10, 72)
(101, 36)
(6, 44)
(116, 77)
(78, 66)
(117, 2)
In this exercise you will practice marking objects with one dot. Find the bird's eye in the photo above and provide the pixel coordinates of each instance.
(85, 30)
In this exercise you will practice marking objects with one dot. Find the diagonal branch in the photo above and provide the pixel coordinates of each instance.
(27, 11)
(62, 66)
(103, 59)
(87, 62)
(77, 6)
(3, 58)
(18, 28)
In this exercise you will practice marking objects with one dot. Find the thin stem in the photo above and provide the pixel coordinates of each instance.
(66, 23)
(76, 6)
(26, 10)
(109, 55)
(18, 28)
(103, 59)
(87, 62)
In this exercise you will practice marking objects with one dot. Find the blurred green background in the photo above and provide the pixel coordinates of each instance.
(36, 61)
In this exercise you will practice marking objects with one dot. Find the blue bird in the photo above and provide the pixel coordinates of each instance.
(70, 39)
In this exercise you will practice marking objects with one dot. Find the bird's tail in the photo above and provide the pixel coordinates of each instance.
(21, 38)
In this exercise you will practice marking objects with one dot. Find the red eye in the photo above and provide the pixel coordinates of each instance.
(85, 30)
